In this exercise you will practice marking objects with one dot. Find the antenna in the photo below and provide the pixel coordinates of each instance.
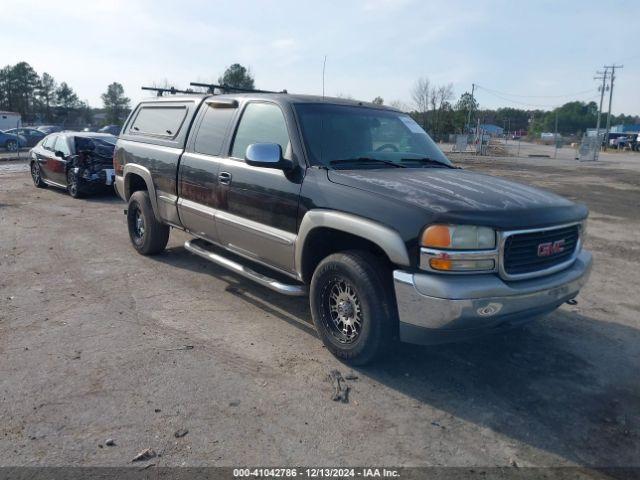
(324, 64)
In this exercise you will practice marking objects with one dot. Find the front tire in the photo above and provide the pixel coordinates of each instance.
(73, 185)
(36, 175)
(352, 306)
(11, 146)
(147, 235)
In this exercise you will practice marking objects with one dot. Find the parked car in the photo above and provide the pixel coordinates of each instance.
(111, 129)
(31, 136)
(47, 129)
(11, 142)
(353, 204)
(77, 161)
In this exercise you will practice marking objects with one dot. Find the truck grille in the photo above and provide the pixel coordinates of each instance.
(533, 251)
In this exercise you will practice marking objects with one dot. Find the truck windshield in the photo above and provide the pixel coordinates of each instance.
(343, 136)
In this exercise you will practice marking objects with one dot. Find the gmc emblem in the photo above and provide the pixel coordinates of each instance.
(550, 248)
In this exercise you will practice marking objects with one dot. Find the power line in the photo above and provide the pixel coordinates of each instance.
(524, 103)
(535, 96)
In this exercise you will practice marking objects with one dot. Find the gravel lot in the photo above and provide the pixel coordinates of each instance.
(93, 336)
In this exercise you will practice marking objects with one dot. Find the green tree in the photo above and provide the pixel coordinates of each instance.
(237, 76)
(46, 95)
(17, 86)
(115, 103)
(66, 102)
(378, 101)
(466, 102)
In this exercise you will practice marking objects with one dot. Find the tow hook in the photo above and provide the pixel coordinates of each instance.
(573, 301)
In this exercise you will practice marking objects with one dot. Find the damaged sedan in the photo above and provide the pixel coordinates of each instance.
(80, 162)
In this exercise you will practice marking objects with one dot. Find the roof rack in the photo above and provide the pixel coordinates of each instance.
(170, 90)
(211, 88)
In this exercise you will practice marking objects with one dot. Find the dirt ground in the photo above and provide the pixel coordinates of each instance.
(95, 343)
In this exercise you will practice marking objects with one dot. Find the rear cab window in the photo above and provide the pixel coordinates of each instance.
(159, 120)
(213, 128)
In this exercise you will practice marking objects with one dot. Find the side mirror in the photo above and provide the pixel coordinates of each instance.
(266, 155)
(59, 154)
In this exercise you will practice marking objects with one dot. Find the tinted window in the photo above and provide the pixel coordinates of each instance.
(49, 141)
(62, 145)
(260, 123)
(339, 132)
(212, 130)
(162, 121)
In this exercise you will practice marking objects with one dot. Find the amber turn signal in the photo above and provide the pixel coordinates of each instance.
(440, 264)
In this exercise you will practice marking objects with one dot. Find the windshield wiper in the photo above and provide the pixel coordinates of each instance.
(364, 160)
(426, 161)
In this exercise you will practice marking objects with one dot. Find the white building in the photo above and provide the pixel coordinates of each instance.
(9, 120)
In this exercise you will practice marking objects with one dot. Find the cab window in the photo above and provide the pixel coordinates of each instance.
(213, 129)
(260, 123)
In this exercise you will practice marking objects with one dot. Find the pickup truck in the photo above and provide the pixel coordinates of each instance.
(354, 205)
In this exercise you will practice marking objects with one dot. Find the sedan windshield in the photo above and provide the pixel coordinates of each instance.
(343, 136)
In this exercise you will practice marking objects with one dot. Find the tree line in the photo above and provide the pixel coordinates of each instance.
(41, 99)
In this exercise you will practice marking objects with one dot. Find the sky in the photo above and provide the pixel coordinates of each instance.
(527, 54)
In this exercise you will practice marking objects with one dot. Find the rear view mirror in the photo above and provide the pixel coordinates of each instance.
(59, 154)
(266, 155)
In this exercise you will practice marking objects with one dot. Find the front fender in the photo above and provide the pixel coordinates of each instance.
(387, 239)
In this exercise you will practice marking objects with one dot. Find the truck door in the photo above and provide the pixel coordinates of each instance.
(198, 187)
(258, 206)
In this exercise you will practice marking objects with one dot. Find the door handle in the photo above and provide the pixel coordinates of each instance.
(224, 178)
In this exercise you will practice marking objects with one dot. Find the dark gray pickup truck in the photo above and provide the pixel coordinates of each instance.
(353, 204)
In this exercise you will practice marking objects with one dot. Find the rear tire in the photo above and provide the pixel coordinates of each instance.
(147, 235)
(353, 306)
(36, 175)
(11, 146)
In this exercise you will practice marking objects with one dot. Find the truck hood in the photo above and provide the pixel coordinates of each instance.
(456, 195)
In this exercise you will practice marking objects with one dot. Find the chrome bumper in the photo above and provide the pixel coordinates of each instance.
(436, 308)
(119, 185)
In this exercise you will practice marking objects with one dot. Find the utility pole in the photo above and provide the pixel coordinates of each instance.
(473, 89)
(613, 77)
(555, 138)
(600, 76)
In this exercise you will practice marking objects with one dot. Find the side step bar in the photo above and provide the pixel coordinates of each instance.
(196, 246)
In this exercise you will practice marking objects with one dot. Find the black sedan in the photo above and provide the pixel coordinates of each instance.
(80, 162)
(31, 136)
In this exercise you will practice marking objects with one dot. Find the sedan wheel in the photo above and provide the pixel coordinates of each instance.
(11, 145)
(36, 175)
(72, 184)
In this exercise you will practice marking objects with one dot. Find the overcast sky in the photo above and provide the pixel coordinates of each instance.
(540, 49)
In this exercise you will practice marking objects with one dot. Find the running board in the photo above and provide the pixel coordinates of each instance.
(196, 246)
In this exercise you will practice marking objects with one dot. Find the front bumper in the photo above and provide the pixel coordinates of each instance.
(436, 308)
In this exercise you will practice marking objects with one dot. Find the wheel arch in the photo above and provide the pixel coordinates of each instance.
(137, 177)
(323, 232)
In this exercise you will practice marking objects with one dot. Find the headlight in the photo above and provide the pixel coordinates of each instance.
(459, 237)
(458, 248)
